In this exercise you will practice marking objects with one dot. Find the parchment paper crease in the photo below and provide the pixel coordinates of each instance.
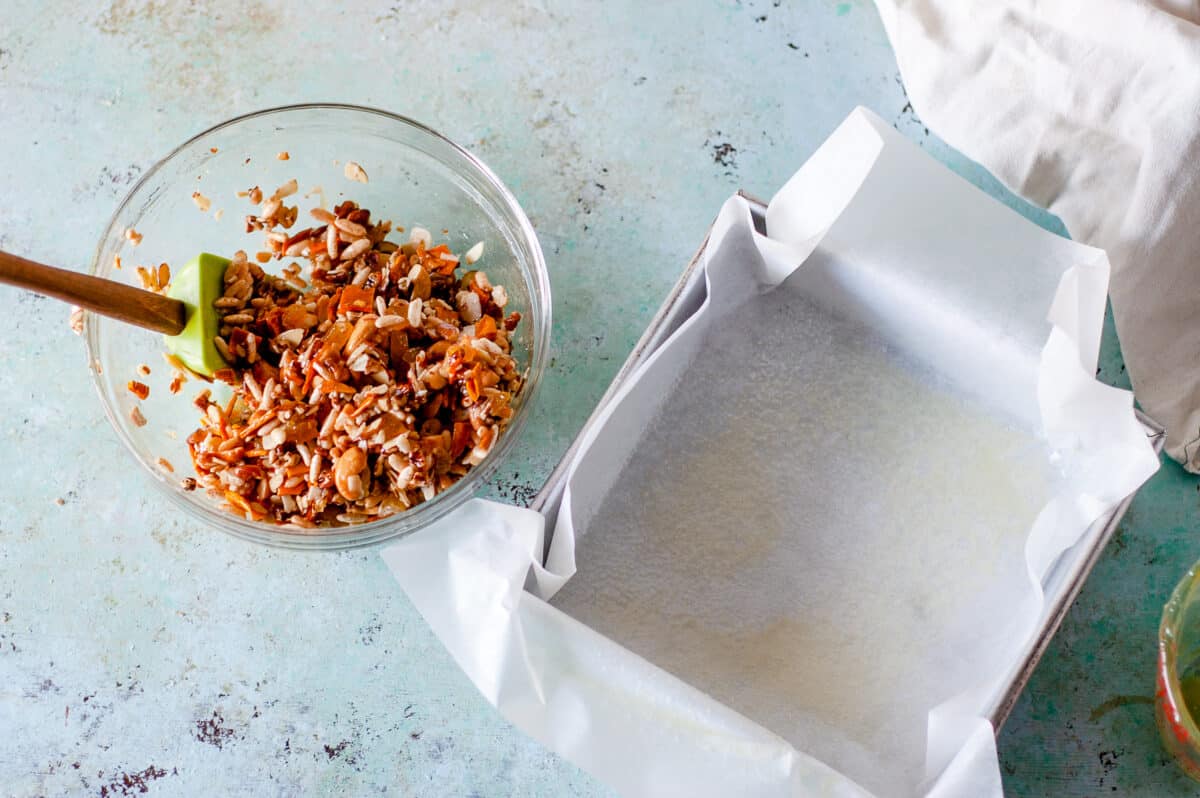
(801, 552)
(1087, 108)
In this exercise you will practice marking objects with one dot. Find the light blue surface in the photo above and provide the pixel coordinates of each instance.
(137, 649)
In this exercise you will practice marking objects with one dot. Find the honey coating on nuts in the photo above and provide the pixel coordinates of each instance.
(368, 375)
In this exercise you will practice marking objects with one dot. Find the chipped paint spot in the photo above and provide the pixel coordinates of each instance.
(124, 784)
(724, 154)
(367, 632)
(514, 491)
(213, 730)
(333, 752)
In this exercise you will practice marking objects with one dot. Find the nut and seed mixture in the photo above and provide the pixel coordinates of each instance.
(366, 389)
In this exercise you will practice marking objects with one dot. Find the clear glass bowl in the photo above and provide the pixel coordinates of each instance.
(416, 177)
(1178, 679)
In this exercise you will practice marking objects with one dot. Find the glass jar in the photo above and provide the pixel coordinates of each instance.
(1177, 697)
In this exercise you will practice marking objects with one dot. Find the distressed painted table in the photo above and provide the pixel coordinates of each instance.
(142, 653)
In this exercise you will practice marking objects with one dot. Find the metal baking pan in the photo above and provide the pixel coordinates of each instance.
(1062, 584)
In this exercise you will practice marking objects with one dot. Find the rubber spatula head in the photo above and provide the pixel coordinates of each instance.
(198, 284)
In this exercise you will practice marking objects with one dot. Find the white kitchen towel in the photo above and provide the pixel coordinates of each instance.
(1091, 109)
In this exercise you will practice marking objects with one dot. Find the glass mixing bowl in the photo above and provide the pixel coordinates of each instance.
(417, 177)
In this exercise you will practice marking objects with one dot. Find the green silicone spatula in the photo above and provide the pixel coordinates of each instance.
(185, 316)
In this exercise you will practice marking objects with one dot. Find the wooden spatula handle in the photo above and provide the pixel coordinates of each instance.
(106, 297)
